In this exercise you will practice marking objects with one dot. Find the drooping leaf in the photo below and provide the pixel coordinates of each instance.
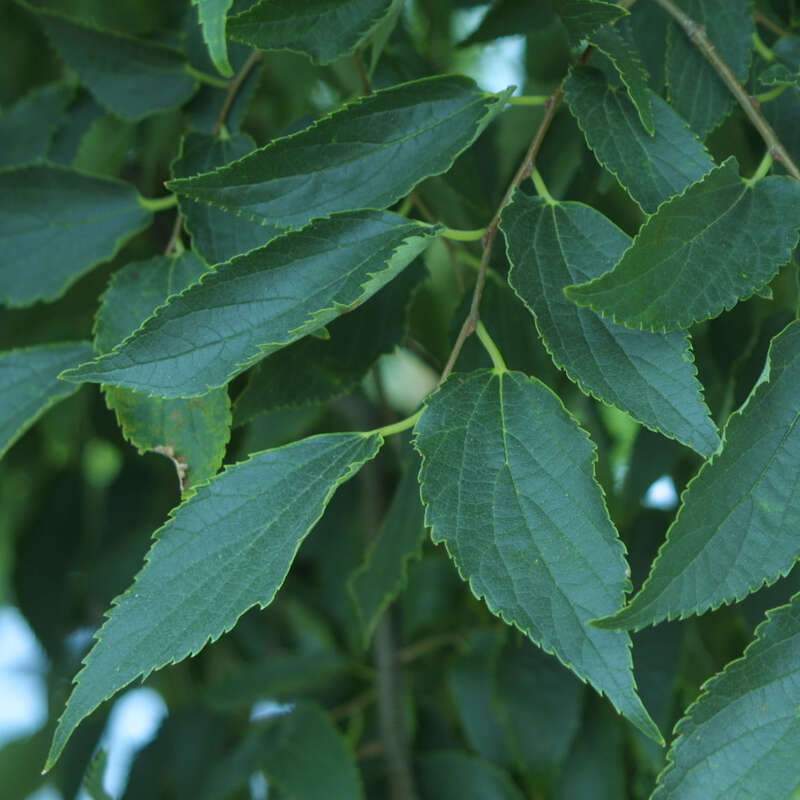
(131, 77)
(719, 242)
(649, 375)
(508, 483)
(732, 533)
(249, 307)
(367, 155)
(193, 433)
(225, 550)
(695, 89)
(28, 127)
(322, 29)
(740, 738)
(315, 370)
(217, 235)
(626, 58)
(212, 15)
(29, 378)
(382, 576)
(47, 210)
(650, 168)
(582, 18)
(452, 775)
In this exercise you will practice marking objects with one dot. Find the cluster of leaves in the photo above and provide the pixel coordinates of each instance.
(337, 208)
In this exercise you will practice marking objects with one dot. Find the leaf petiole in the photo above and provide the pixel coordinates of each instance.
(464, 236)
(396, 427)
(158, 203)
(491, 348)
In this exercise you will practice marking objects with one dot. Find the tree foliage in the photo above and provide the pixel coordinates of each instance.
(414, 351)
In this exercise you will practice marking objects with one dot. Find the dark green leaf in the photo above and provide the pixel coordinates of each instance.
(212, 15)
(28, 127)
(367, 155)
(651, 168)
(193, 433)
(451, 775)
(30, 384)
(249, 307)
(131, 77)
(732, 532)
(76, 121)
(740, 738)
(649, 375)
(323, 29)
(511, 18)
(719, 242)
(508, 483)
(217, 235)
(47, 210)
(695, 89)
(582, 18)
(226, 549)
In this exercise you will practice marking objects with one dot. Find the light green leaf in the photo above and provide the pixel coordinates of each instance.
(212, 15)
(382, 576)
(452, 775)
(695, 89)
(626, 58)
(315, 370)
(582, 18)
(28, 127)
(367, 155)
(734, 531)
(650, 168)
(226, 549)
(649, 375)
(741, 737)
(217, 235)
(193, 433)
(719, 242)
(322, 29)
(247, 308)
(508, 483)
(131, 77)
(47, 210)
(29, 378)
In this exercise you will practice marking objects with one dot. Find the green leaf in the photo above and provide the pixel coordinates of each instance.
(510, 18)
(582, 18)
(131, 77)
(247, 308)
(76, 122)
(741, 737)
(322, 29)
(47, 210)
(508, 483)
(28, 127)
(382, 576)
(315, 370)
(649, 375)
(93, 781)
(29, 378)
(217, 235)
(650, 168)
(451, 775)
(626, 58)
(105, 147)
(212, 15)
(226, 549)
(193, 433)
(719, 242)
(695, 89)
(367, 155)
(732, 532)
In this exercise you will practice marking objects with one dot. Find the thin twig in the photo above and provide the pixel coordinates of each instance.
(363, 77)
(425, 646)
(764, 20)
(697, 35)
(233, 89)
(174, 242)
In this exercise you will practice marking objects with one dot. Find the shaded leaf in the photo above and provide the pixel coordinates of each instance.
(508, 483)
(225, 550)
(249, 307)
(366, 155)
(582, 18)
(732, 533)
(649, 375)
(451, 775)
(702, 252)
(212, 15)
(193, 433)
(29, 378)
(741, 736)
(45, 209)
(650, 168)
(510, 18)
